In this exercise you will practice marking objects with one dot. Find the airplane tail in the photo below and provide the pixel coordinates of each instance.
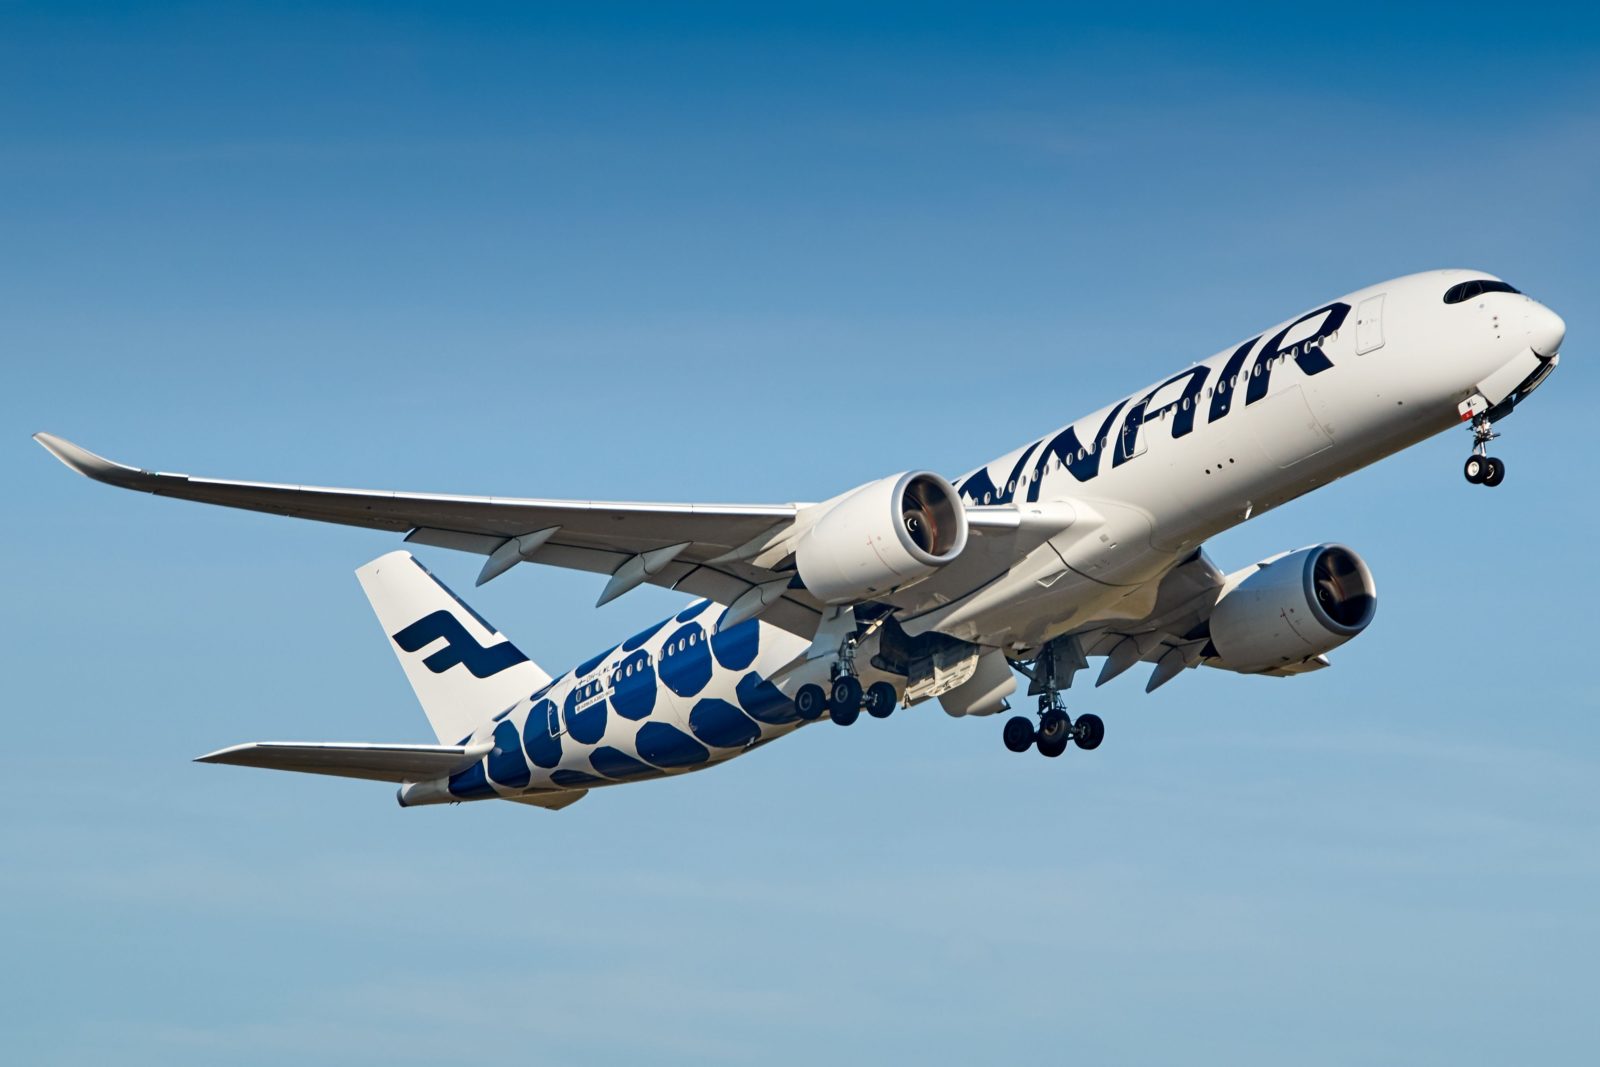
(462, 669)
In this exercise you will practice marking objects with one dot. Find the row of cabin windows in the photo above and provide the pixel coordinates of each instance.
(1054, 463)
(672, 647)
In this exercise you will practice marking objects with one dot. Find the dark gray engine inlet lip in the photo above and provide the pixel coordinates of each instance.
(1309, 577)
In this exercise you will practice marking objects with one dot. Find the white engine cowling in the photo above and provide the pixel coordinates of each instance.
(1292, 608)
(882, 536)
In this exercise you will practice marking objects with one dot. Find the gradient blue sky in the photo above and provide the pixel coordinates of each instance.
(727, 253)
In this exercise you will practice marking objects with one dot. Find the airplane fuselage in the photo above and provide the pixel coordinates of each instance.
(1143, 482)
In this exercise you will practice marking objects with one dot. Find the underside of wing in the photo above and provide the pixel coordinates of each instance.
(740, 555)
(678, 546)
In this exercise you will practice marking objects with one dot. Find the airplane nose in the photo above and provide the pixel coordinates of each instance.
(1546, 330)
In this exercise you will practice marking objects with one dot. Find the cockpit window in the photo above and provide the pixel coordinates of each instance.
(1475, 288)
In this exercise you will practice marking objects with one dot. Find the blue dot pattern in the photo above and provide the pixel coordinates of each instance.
(472, 784)
(506, 765)
(586, 724)
(736, 647)
(633, 687)
(587, 667)
(719, 723)
(693, 610)
(667, 746)
(538, 740)
(685, 665)
(614, 763)
(675, 697)
(764, 701)
(574, 779)
(638, 640)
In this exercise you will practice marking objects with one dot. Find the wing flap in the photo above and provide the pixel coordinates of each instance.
(378, 763)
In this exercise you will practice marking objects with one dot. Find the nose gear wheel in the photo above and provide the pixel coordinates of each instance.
(1482, 468)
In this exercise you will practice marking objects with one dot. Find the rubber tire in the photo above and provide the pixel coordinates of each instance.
(1054, 726)
(1052, 749)
(1475, 469)
(1497, 473)
(845, 715)
(845, 692)
(810, 702)
(1018, 734)
(1088, 731)
(881, 699)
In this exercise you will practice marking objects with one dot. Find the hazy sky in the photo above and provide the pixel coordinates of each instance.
(764, 255)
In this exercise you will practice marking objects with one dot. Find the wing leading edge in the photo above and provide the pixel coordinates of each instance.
(678, 546)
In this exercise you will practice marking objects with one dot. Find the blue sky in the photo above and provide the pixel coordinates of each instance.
(713, 252)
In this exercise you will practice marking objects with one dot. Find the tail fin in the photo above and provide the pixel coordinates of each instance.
(461, 668)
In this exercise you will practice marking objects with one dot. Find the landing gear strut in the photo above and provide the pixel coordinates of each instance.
(1482, 468)
(1053, 666)
(845, 699)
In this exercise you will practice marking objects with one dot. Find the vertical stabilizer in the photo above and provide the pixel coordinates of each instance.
(463, 670)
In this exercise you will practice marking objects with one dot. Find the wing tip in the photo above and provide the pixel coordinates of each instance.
(85, 462)
(221, 755)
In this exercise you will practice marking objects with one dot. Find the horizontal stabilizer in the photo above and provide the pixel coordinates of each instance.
(379, 763)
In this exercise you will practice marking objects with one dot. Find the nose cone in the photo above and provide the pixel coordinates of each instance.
(1546, 330)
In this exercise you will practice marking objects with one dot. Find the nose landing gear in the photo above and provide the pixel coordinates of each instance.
(1482, 468)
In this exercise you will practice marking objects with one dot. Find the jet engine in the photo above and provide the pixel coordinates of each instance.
(882, 536)
(1291, 608)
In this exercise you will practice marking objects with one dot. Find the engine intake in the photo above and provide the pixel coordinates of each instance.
(881, 537)
(1291, 609)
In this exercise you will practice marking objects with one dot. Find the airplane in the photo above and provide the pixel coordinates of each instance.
(1085, 542)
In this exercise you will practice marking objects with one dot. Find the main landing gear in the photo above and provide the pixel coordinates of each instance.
(845, 700)
(1056, 730)
(1482, 468)
(1054, 666)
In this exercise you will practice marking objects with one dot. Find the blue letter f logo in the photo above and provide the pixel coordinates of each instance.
(459, 646)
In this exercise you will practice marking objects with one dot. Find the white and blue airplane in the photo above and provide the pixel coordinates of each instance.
(1082, 543)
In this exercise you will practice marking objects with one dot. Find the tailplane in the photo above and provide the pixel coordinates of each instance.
(463, 670)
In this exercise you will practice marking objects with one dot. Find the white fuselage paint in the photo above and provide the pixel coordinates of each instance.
(1399, 369)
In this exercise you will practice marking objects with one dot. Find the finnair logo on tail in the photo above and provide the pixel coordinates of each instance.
(459, 646)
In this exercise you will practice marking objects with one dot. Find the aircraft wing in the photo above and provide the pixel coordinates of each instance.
(671, 545)
(707, 550)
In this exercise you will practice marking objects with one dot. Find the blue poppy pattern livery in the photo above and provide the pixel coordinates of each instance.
(675, 697)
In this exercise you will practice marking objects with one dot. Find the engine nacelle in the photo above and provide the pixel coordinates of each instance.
(1291, 609)
(882, 536)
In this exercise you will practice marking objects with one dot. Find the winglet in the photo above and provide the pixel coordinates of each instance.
(88, 464)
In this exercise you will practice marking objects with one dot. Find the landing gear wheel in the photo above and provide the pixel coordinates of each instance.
(1055, 730)
(1052, 749)
(810, 702)
(845, 692)
(1496, 473)
(1088, 731)
(1018, 734)
(881, 699)
(844, 699)
(1476, 469)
